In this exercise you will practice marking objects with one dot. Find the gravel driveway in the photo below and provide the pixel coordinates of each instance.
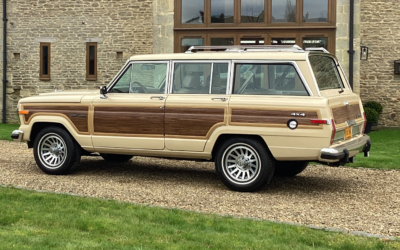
(350, 199)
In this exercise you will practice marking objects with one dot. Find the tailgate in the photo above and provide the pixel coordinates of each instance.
(347, 114)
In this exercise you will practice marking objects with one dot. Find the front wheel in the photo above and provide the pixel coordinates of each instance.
(55, 151)
(244, 164)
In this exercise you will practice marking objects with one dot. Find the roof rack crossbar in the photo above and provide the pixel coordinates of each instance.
(243, 48)
(317, 49)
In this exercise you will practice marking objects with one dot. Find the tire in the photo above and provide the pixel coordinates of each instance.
(289, 168)
(55, 151)
(252, 164)
(116, 158)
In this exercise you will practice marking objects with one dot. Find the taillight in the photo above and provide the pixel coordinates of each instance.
(316, 121)
(333, 131)
(365, 123)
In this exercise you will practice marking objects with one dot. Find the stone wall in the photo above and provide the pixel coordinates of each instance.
(163, 26)
(380, 32)
(117, 25)
(342, 39)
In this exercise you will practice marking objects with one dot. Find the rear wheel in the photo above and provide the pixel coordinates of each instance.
(116, 158)
(289, 168)
(244, 164)
(55, 151)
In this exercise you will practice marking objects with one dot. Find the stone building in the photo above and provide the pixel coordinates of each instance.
(74, 44)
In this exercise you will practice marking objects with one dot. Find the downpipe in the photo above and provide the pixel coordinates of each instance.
(4, 58)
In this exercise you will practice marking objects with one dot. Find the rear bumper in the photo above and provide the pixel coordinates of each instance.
(342, 152)
(17, 135)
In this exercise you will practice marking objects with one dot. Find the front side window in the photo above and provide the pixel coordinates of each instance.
(200, 78)
(142, 78)
(267, 79)
(325, 72)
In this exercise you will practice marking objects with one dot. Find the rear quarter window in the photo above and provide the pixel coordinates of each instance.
(326, 72)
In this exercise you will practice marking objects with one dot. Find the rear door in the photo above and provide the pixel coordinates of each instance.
(197, 103)
(346, 106)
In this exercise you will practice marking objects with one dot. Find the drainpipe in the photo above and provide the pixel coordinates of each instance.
(351, 38)
(4, 58)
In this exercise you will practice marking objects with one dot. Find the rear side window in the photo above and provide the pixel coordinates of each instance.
(326, 72)
(267, 79)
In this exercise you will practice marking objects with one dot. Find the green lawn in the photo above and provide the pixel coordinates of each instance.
(385, 151)
(6, 129)
(33, 220)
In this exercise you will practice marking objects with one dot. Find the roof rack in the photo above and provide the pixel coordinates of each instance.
(244, 48)
(317, 49)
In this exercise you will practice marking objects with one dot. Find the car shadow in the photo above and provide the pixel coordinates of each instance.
(203, 173)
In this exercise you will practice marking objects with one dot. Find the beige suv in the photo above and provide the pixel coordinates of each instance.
(256, 111)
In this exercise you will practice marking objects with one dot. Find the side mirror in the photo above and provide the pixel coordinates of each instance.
(103, 92)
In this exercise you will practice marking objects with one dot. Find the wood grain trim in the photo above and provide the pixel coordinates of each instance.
(128, 121)
(76, 115)
(194, 123)
(342, 114)
(272, 118)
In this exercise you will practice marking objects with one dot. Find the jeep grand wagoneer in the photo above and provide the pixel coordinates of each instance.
(256, 111)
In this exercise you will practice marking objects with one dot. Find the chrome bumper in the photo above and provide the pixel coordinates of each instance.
(17, 135)
(342, 152)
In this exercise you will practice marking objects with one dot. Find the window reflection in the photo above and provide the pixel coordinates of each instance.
(315, 11)
(283, 11)
(222, 11)
(189, 42)
(192, 12)
(315, 42)
(283, 41)
(252, 11)
(252, 41)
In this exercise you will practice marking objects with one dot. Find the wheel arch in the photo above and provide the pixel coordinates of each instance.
(224, 137)
(40, 122)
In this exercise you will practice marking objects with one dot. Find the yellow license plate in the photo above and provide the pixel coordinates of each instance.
(347, 133)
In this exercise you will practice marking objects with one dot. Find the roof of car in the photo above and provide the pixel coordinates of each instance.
(253, 55)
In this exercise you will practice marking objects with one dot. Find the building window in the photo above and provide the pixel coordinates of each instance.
(91, 61)
(44, 61)
(307, 23)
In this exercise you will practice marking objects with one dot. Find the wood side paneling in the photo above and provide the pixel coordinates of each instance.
(192, 121)
(271, 116)
(345, 113)
(129, 120)
(78, 115)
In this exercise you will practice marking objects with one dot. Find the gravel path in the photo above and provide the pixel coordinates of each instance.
(351, 199)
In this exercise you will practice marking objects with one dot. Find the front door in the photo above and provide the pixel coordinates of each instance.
(132, 115)
(197, 104)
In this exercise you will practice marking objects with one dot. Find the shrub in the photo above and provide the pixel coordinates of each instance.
(371, 114)
(374, 105)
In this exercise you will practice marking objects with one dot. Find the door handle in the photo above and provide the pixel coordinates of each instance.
(158, 97)
(219, 98)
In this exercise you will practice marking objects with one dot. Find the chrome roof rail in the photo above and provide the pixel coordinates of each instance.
(317, 49)
(244, 48)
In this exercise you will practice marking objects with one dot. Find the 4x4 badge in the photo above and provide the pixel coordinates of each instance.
(298, 114)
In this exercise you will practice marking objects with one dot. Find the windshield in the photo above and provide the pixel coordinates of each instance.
(326, 72)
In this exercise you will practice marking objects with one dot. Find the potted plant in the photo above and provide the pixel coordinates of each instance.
(372, 118)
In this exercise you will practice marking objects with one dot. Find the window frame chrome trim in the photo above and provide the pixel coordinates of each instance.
(294, 63)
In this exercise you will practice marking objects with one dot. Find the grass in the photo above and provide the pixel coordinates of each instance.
(6, 129)
(385, 151)
(34, 220)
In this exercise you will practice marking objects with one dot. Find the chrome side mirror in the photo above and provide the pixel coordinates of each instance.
(103, 92)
